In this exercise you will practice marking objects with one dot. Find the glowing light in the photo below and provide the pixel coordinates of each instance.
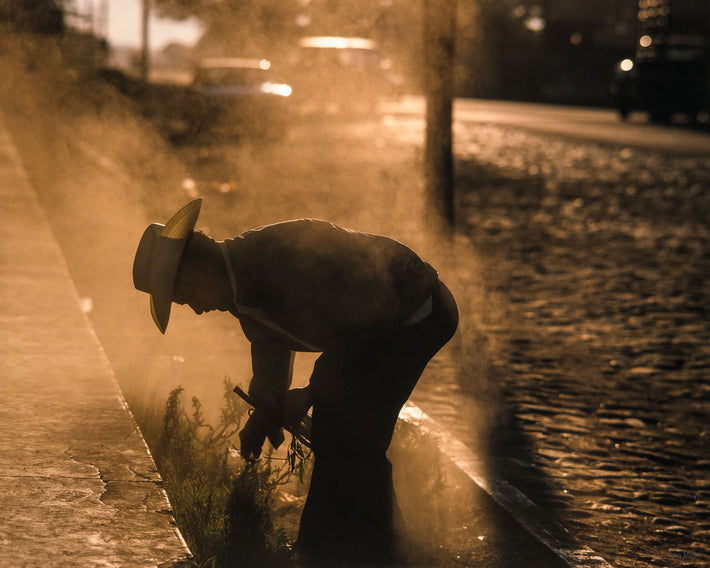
(535, 24)
(626, 65)
(645, 41)
(333, 42)
(284, 90)
(576, 38)
(303, 20)
(281, 89)
(227, 62)
(86, 304)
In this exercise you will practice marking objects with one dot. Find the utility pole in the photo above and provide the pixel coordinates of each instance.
(439, 18)
(145, 48)
(102, 23)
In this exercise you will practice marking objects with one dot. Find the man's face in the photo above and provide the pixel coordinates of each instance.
(195, 294)
(200, 305)
(201, 281)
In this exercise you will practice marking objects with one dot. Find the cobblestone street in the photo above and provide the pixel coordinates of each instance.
(601, 255)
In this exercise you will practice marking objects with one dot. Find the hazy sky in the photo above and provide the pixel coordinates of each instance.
(124, 26)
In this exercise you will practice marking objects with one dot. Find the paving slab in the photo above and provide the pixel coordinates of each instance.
(78, 484)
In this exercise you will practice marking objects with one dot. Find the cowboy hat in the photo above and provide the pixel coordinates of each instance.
(158, 258)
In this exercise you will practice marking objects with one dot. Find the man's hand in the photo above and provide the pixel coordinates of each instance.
(252, 438)
(262, 424)
(259, 426)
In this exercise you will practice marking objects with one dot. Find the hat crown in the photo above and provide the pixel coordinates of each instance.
(183, 222)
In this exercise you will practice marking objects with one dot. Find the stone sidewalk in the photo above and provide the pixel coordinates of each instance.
(78, 484)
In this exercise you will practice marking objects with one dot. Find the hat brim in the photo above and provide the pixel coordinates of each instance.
(158, 259)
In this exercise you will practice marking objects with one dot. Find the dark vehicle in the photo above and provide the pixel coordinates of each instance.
(670, 72)
(239, 95)
(676, 83)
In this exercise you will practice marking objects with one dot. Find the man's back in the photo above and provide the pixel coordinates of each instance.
(315, 278)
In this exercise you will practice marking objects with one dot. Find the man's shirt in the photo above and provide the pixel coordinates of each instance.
(309, 285)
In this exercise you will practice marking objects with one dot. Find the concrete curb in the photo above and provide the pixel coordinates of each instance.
(79, 485)
(512, 500)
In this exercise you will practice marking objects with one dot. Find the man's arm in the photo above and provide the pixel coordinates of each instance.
(272, 365)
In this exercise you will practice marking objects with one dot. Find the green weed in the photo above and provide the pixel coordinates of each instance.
(223, 507)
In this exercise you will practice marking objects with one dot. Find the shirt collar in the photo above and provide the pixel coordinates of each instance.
(230, 270)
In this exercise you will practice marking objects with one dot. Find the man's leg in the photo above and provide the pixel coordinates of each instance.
(348, 518)
(351, 510)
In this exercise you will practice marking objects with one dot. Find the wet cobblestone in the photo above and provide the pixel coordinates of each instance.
(603, 254)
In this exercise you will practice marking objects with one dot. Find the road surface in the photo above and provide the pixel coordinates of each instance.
(594, 239)
(600, 125)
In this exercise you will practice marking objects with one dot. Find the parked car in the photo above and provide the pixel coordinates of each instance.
(241, 95)
(675, 84)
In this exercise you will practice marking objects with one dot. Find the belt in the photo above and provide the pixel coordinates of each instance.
(421, 313)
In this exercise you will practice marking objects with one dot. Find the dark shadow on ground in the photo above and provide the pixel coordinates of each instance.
(600, 251)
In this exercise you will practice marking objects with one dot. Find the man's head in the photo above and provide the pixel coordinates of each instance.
(202, 281)
(158, 259)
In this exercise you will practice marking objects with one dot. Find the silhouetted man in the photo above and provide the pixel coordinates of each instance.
(370, 305)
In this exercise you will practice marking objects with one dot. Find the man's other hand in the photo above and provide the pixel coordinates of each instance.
(252, 437)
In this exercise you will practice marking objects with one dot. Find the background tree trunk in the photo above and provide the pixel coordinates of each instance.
(145, 44)
(439, 50)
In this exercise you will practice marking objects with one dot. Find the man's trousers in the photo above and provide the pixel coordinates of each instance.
(351, 516)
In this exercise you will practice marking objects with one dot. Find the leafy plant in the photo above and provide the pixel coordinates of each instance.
(223, 509)
(297, 459)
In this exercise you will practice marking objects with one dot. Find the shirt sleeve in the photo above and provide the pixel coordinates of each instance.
(272, 367)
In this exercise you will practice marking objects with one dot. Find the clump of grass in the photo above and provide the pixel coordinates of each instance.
(223, 509)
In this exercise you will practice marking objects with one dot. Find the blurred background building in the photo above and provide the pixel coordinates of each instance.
(560, 51)
(582, 43)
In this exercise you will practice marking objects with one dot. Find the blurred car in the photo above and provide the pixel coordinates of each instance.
(334, 73)
(240, 95)
(674, 83)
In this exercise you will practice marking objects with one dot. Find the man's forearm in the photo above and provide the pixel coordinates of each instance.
(272, 365)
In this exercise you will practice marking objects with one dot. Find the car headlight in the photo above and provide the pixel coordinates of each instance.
(281, 89)
(626, 65)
